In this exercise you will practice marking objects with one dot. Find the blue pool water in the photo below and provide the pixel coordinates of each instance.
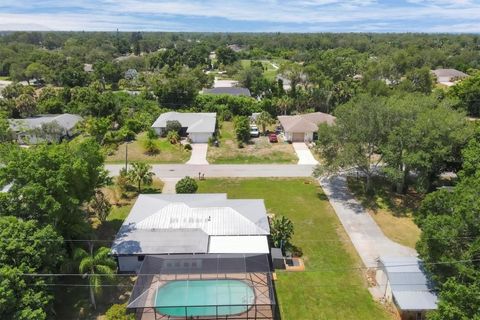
(202, 296)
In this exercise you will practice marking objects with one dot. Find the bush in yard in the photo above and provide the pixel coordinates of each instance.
(151, 133)
(119, 312)
(150, 146)
(173, 125)
(188, 146)
(186, 185)
(173, 137)
(282, 232)
(242, 129)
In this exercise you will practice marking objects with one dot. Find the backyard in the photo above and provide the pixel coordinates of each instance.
(391, 211)
(331, 287)
(168, 153)
(260, 150)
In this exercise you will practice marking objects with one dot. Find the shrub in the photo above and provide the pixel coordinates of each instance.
(151, 133)
(188, 146)
(150, 146)
(173, 125)
(186, 185)
(211, 141)
(173, 137)
(119, 312)
(242, 129)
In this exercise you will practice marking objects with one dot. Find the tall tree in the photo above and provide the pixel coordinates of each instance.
(98, 266)
(361, 129)
(141, 174)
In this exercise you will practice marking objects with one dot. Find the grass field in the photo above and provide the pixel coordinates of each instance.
(136, 152)
(392, 212)
(269, 72)
(330, 288)
(259, 151)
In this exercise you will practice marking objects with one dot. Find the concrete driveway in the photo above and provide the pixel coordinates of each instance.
(199, 154)
(365, 234)
(304, 154)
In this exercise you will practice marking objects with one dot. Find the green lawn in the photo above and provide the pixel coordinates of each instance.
(259, 151)
(269, 71)
(330, 288)
(136, 152)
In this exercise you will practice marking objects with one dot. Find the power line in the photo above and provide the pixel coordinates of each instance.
(85, 275)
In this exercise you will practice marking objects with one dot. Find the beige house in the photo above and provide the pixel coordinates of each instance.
(448, 77)
(301, 128)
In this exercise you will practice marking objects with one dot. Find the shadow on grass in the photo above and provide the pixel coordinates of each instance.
(383, 197)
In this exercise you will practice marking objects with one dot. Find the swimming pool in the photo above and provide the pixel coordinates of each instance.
(201, 297)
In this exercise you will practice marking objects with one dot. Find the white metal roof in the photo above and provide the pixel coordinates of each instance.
(211, 220)
(195, 122)
(238, 244)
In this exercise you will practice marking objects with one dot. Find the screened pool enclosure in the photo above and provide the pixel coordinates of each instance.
(209, 286)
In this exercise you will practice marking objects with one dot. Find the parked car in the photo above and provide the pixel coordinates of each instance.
(278, 130)
(254, 133)
(272, 137)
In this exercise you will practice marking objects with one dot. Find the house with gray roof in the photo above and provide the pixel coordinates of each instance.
(448, 77)
(192, 224)
(405, 282)
(302, 127)
(199, 127)
(44, 128)
(232, 91)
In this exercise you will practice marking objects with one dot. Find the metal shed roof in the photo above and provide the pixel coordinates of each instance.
(410, 286)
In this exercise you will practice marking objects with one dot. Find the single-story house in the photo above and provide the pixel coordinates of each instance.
(198, 126)
(44, 128)
(405, 283)
(448, 77)
(190, 224)
(233, 91)
(302, 127)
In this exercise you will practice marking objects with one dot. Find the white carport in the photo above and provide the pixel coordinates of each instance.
(238, 244)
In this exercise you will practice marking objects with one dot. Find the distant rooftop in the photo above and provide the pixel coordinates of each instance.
(446, 75)
(195, 122)
(305, 122)
(66, 121)
(233, 91)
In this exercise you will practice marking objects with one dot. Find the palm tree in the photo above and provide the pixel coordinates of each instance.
(282, 232)
(264, 119)
(140, 173)
(283, 104)
(98, 266)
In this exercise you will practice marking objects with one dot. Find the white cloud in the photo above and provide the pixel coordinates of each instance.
(273, 15)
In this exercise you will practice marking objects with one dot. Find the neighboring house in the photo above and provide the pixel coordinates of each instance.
(190, 224)
(301, 128)
(44, 128)
(198, 126)
(131, 74)
(233, 91)
(237, 48)
(404, 282)
(448, 77)
(87, 67)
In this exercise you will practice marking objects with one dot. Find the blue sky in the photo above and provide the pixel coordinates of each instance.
(243, 15)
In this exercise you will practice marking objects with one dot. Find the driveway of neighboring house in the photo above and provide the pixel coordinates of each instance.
(304, 154)
(199, 154)
(365, 234)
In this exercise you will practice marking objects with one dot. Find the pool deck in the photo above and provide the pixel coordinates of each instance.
(261, 310)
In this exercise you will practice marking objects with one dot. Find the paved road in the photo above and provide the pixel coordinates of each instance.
(225, 170)
(304, 154)
(365, 234)
(199, 154)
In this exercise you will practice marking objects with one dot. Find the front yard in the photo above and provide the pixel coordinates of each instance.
(331, 287)
(260, 150)
(169, 153)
